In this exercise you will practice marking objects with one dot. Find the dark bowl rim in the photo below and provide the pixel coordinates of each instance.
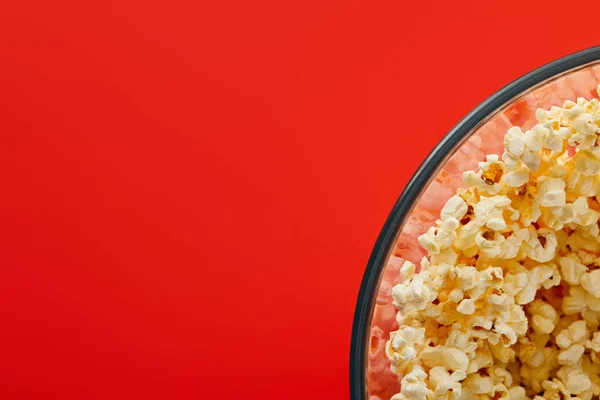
(369, 284)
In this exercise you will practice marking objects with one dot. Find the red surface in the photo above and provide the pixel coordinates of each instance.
(190, 190)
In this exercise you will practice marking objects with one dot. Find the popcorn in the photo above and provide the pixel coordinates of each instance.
(592, 369)
(507, 303)
(490, 174)
(517, 393)
(438, 238)
(590, 281)
(489, 212)
(478, 384)
(447, 386)
(551, 192)
(401, 347)
(572, 269)
(462, 340)
(545, 276)
(483, 358)
(524, 146)
(466, 277)
(407, 271)
(417, 292)
(571, 341)
(413, 386)
(455, 208)
(543, 317)
(535, 372)
(442, 356)
(587, 163)
(575, 302)
(542, 245)
(489, 242)
(555, 390)
(574, 379)
(502, 353)
(594, 346)
(466, 307)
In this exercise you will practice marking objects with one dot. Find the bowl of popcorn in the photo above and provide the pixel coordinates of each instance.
(485, 280)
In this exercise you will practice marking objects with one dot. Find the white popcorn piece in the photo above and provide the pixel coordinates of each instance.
(514, 141)
(594, 346)
(436, 239)
(545, 276)
(517, 393)
(489, 278)
(586, 126)
(517, 177)
(555, 139)
(456, 295)
(502, 353)
(447, 386)
(592, 369)
(488, 178)
(581, 239)
(466, 307)
(511, 161)
(542, 245)
(442, 356)
(413, 386)
(543, 317)
(575, 302)
(572, 269)
(587, 163)
(535, 373)
(407, 271)
(417, 292)
(465, 236)
(571, 110)
(478, 384)
(462, 340)
(401, 346)
(574, 379)
(555, 389)
(516, 319)
(514, 283)
(489, 212)
(571, 342)
(466, 277)
(490, 242)
(483, 358)
(506, 334)
(552, 193)
(455, 207)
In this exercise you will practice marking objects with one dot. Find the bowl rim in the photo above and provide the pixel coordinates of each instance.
(387, 236)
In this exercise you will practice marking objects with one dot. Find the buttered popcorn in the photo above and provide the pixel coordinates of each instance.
(506, 304)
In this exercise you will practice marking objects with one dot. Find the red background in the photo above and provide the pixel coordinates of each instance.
(190, 190)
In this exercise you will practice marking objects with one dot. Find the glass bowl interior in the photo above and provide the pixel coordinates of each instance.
(486, 137)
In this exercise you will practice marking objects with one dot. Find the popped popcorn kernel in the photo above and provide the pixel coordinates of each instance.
(506, 302)
(571, 342)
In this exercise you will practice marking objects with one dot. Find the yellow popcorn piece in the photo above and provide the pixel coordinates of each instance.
(447, 386)
(574, 379)
(543, 317)
(413, 386)
(574, 337)
(590, 281)
(572, 269)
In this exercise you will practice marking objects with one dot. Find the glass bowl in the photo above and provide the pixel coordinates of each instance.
(479, 133)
